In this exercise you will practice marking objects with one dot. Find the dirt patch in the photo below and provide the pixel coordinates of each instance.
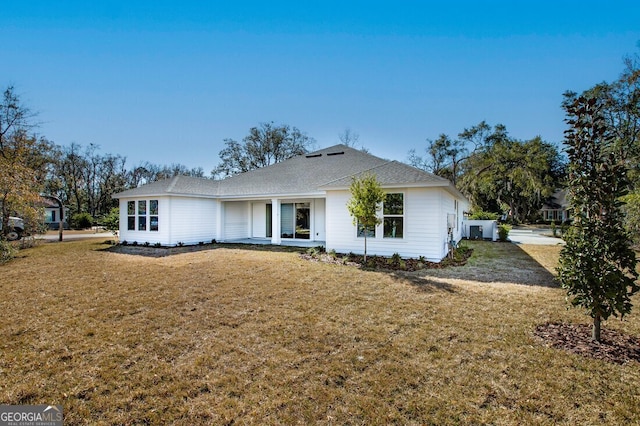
(615, 347)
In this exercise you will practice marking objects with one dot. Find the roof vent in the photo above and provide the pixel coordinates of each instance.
(335, 153)
(314, 155)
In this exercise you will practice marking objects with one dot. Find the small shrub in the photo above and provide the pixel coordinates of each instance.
(146, 244)
(157, 245)
(7, 252)
(200, 243)
(81, 220)
(333, 253)
(213, 241)
(135, 243)
(124, 243)
(503, 232)
(315, 251)
(396, 258)
(482, 215)
(180, 244)
(111, 221)
(554, 229)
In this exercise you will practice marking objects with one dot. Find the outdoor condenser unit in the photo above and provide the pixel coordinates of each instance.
(475, 232)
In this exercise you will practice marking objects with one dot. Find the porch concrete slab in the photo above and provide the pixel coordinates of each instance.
(267, 241)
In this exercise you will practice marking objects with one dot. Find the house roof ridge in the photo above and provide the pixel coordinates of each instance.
(357, 173)
(173, 183)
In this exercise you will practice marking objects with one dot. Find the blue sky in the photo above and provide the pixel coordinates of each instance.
(168, 81)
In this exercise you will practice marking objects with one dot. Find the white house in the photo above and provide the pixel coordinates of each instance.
(300, 201)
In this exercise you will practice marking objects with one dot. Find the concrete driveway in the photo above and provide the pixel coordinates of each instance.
(534, 236)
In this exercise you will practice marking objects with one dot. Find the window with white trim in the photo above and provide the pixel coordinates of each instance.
(371, 232)
(142, 215)
(393, 215)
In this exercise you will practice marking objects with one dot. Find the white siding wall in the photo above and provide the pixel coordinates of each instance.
(319, 219)
(425, 226)
(236, 220)
(193, 220)
(180, 219)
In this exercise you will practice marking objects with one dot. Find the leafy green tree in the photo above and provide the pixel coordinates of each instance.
(620, 107)
(632, 215)
(597, 265)
(495, 171)
(264, 145)
(510, 175)
(366, 197)
(24, 159)
(111, 221)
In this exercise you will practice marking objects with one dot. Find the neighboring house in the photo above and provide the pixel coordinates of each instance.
(52, 214)
(556, 209)
(299, 201)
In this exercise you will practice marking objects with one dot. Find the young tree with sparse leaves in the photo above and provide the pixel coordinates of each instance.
(366, 197)
(597, 265)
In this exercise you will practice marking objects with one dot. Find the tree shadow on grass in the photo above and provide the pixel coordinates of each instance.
(491, 262)
(494, 262)
(422, 283)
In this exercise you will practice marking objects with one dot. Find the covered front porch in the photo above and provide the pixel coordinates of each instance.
(296, 222)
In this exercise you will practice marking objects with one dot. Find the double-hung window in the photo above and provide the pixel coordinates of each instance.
(393, 215)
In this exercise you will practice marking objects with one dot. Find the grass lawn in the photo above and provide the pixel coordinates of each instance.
(239, 336)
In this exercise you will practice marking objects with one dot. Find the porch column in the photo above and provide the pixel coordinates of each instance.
(275, 222)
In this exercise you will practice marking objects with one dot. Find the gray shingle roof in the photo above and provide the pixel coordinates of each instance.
(308, 174)
(392, 173)
(177, 185)
(303, 174)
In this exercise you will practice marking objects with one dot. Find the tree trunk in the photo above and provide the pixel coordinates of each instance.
(365, 245)
(595, 332)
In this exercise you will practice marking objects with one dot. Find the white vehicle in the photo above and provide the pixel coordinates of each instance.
(16, 228)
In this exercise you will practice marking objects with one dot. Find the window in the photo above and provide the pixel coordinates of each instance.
(393, 215)
(138, 219)
(371, 232)
(142, 215)
(153, 212)
(295, 220)
(131, 215)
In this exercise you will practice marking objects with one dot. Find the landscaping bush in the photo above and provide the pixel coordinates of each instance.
(81, 220)
(7, 252)
(503, 232)
(111, 221)
(482, 215)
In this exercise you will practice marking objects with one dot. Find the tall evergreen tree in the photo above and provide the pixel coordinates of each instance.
(597, 265)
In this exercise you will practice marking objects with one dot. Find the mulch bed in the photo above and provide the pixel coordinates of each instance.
(388, 263)
(615, 347)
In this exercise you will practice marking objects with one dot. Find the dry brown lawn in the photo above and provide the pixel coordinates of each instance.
(240, 336)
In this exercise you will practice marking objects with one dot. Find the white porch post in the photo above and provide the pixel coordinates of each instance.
(219, 220)
(275, 222)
